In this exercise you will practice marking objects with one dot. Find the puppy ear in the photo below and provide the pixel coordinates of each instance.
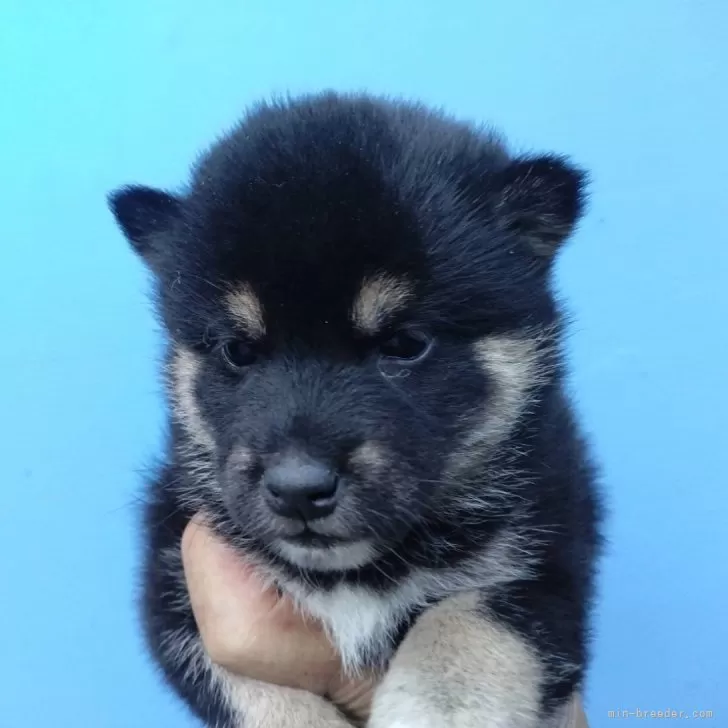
(541, 199)
(143, 213)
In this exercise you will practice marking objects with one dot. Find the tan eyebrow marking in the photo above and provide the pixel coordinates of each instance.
(247, 311)
(378, 298)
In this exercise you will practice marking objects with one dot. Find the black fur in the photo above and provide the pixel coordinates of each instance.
(301, 203)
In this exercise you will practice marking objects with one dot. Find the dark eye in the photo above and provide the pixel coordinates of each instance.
(238, 354)
(406, 345)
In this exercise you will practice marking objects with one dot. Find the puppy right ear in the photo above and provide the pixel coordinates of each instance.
(540, 199)
(143, 213)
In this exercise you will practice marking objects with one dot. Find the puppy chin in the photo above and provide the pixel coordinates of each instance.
(336, 557)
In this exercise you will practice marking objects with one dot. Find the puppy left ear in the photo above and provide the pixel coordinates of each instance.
(541, 199)
(143, 213)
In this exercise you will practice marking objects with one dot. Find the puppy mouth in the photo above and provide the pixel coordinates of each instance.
(308, 538)
(317, 552)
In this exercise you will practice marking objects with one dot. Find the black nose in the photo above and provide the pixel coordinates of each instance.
(299, 487)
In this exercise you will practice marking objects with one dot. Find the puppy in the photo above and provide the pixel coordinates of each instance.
(367, 397)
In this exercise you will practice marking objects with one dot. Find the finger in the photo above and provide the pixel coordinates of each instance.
(353, 695)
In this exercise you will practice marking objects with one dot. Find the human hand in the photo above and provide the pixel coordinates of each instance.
(254, 632)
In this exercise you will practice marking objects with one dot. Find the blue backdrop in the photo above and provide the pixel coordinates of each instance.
(97, 94)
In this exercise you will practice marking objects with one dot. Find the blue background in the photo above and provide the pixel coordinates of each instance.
(98, 94)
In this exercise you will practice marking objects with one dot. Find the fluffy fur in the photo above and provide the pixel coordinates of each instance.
(366, 283)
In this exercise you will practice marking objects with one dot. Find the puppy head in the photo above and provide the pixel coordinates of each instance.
(357, 298)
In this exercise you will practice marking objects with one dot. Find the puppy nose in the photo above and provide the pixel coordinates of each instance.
(298, 487)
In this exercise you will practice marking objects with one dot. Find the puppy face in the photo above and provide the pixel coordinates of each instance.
(356, 294)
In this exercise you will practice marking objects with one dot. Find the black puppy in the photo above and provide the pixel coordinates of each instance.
(367, 397)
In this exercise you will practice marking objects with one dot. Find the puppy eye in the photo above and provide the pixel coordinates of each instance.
(406, 345)
(238, 354)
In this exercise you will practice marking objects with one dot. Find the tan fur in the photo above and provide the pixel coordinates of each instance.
(184, 371)
(370, 456)
(379, 297)
(516, 365)
(457, 668)
(247, 311)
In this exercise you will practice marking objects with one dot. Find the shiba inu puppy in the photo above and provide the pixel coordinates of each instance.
(366, 392)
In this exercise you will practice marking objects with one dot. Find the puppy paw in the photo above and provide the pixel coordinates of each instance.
(458, 668)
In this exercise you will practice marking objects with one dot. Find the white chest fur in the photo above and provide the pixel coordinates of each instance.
(359, 621)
